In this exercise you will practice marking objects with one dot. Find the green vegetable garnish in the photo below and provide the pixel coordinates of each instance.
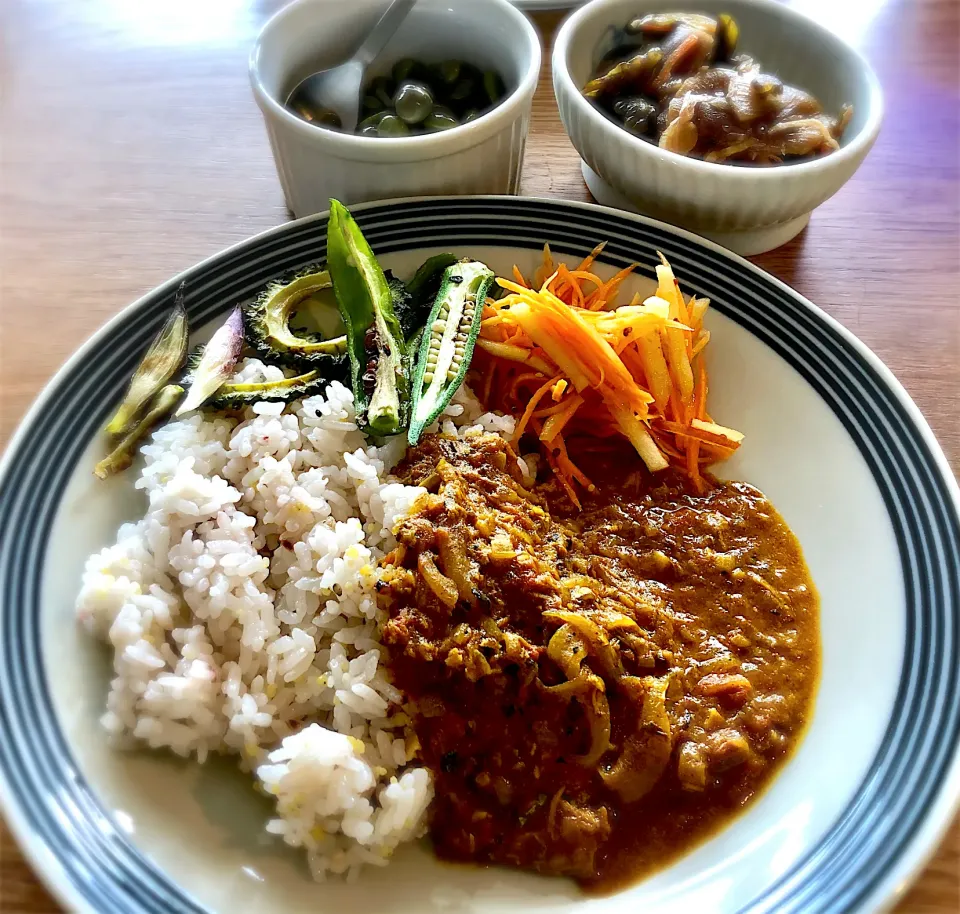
(268, 318)
(216, 363)
(493, 86)
(426, 281)
(236, 396)
(448, 340)
(379, 368)
(122, 455)
(162, 361)
(403, 306)
(412, 302)
(449, 71)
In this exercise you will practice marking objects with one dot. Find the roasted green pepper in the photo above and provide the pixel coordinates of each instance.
(379, 366)
(403, 309)
(426, 281)
(448, 340)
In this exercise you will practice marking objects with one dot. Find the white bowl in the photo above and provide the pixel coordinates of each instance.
(749, 210)
(315, 164)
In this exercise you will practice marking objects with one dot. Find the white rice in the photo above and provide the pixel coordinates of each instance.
(242, 614)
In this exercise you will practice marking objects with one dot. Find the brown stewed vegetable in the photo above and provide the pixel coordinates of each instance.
(675, 79)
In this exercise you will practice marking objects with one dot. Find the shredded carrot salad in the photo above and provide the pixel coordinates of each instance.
(562, 357)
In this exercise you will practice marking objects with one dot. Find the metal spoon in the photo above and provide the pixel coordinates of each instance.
(337, 91)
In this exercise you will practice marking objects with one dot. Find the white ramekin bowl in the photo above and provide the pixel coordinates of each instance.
(314, 164)
(748, 209)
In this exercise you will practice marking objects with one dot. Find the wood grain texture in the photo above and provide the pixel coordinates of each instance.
(131, 148)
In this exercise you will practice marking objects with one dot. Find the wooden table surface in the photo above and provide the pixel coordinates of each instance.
(131, 148)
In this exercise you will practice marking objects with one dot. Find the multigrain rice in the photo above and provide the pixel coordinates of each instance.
(242, 615)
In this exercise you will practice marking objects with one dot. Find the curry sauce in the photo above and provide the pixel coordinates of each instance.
(595, 690)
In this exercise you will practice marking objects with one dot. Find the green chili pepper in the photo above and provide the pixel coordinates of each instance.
(448, 340)
(379, 367)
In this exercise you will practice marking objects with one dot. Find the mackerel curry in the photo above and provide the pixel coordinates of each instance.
(595, 691)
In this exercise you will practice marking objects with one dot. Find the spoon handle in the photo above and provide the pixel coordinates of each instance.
(383, 31)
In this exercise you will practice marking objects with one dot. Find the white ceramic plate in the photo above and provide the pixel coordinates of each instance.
(831, 438)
